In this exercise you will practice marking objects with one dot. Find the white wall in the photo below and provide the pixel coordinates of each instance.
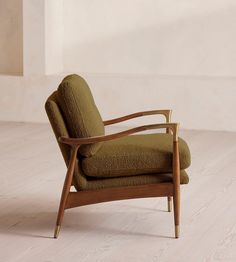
(188, 37)
(54, 35)
(136, 55)
(11, 37)
(43, 37)
(34, 37)
(197, 103)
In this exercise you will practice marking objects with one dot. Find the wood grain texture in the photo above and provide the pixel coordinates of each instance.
(88, 197)
(31, 177)
(165, 112)
(66, 189)
(176, 181)
(95, 139)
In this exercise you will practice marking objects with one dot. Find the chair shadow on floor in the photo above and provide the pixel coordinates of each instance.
(26, 221)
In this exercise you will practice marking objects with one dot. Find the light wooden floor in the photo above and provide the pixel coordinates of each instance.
(31, 178)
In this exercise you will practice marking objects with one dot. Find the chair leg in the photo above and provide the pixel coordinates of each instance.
(169, 203)
(176, 214)
(176, 180)
(65, 190)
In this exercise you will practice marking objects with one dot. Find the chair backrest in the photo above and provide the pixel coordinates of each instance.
(72, 112)
(58, 124)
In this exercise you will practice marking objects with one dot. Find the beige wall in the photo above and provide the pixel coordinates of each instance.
(11, 37)
(151, 37)
(54, 36)
(197, 103)
(148, 55)
(34, 37)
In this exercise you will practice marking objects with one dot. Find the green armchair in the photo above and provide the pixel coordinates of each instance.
(115, 166)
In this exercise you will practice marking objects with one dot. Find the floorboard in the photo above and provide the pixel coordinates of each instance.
(31, 177)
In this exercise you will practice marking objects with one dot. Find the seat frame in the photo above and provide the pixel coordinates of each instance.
(85, 197)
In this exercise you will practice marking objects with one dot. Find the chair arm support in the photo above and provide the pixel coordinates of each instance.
(76, 142)
(165, 112)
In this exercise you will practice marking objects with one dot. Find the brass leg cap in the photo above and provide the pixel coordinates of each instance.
(56, 232)
(177, 231)
(169, 206)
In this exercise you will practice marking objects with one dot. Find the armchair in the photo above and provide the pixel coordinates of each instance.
(115, 166)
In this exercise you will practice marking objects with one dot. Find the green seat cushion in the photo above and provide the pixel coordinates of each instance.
(80, 112)
(135, 155)
(90, 183)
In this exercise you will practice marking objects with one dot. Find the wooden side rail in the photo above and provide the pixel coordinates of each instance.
(165, 112)
(88, 197)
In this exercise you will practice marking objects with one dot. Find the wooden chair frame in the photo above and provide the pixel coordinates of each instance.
(86, 197)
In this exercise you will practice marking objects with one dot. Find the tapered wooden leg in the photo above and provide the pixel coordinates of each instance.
(168, 131)
(57, 231)
(169, 203)
(176, 181)
(66, 190)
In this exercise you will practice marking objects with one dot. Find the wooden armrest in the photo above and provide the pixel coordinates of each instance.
(165, 112)
(76, 142)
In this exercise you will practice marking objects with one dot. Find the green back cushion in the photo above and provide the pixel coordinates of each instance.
(80, 112)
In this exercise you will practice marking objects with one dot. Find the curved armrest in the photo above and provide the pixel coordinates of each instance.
(165, 112)
(76, 142)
